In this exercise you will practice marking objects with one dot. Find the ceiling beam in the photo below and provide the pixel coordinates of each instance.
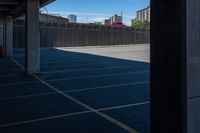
(9, 2)
(17, 8)
(6, 8)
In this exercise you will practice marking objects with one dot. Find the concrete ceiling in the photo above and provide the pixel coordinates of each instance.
(17, 7)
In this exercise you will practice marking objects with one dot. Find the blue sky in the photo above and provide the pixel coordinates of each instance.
(97, 10)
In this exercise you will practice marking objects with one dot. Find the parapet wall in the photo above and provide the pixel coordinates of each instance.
(70, 35)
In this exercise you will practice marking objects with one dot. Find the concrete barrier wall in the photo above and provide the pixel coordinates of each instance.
(71, 35)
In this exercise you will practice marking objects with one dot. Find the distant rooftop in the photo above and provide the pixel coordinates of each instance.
(144, 9)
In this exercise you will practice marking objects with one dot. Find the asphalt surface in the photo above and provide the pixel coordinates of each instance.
(74, 93)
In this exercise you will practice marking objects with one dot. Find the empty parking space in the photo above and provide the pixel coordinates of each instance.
(77, 92)
(19, 90)
(114, 96)
(81, 123)
(24, 109)
(136, 116)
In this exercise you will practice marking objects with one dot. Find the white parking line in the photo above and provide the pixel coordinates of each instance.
(64, 59)
(73, 114)
(97, 76)
(108, 86)
(76, 90)
(75, 61)
(82, 70)
(21, 66)
(83, 77)
(43, 119)
(107, 117)
(78, 65)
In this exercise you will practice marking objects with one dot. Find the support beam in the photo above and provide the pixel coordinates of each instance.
(33, 41)
(9, 36)
(168, 66)
(8, 2)
(193, 66)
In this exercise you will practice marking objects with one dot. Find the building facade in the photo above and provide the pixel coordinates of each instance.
(143, 15)
(116, 19)
(72, 18)
(107, 22)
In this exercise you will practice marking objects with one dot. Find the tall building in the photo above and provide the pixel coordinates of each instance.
(72, 18)
(116, 19)
(143, 15)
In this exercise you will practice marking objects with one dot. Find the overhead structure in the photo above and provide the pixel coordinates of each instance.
(18, 7)
(10, 9)
(175, 66)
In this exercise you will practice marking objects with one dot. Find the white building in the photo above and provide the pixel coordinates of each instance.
(116, 19)
(72, 18)
(143, 15)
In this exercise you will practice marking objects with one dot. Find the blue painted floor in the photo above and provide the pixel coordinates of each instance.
(114, 87)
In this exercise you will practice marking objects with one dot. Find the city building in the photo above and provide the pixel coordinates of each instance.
(143, 15)
(72, 18)
(107, 22)
(116, 19)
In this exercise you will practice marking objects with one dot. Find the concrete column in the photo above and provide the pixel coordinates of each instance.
(33, 41)
(3, 34)
(1, 31)
(193, 65)
(9, 36)
(168, 66)
(175, 66)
